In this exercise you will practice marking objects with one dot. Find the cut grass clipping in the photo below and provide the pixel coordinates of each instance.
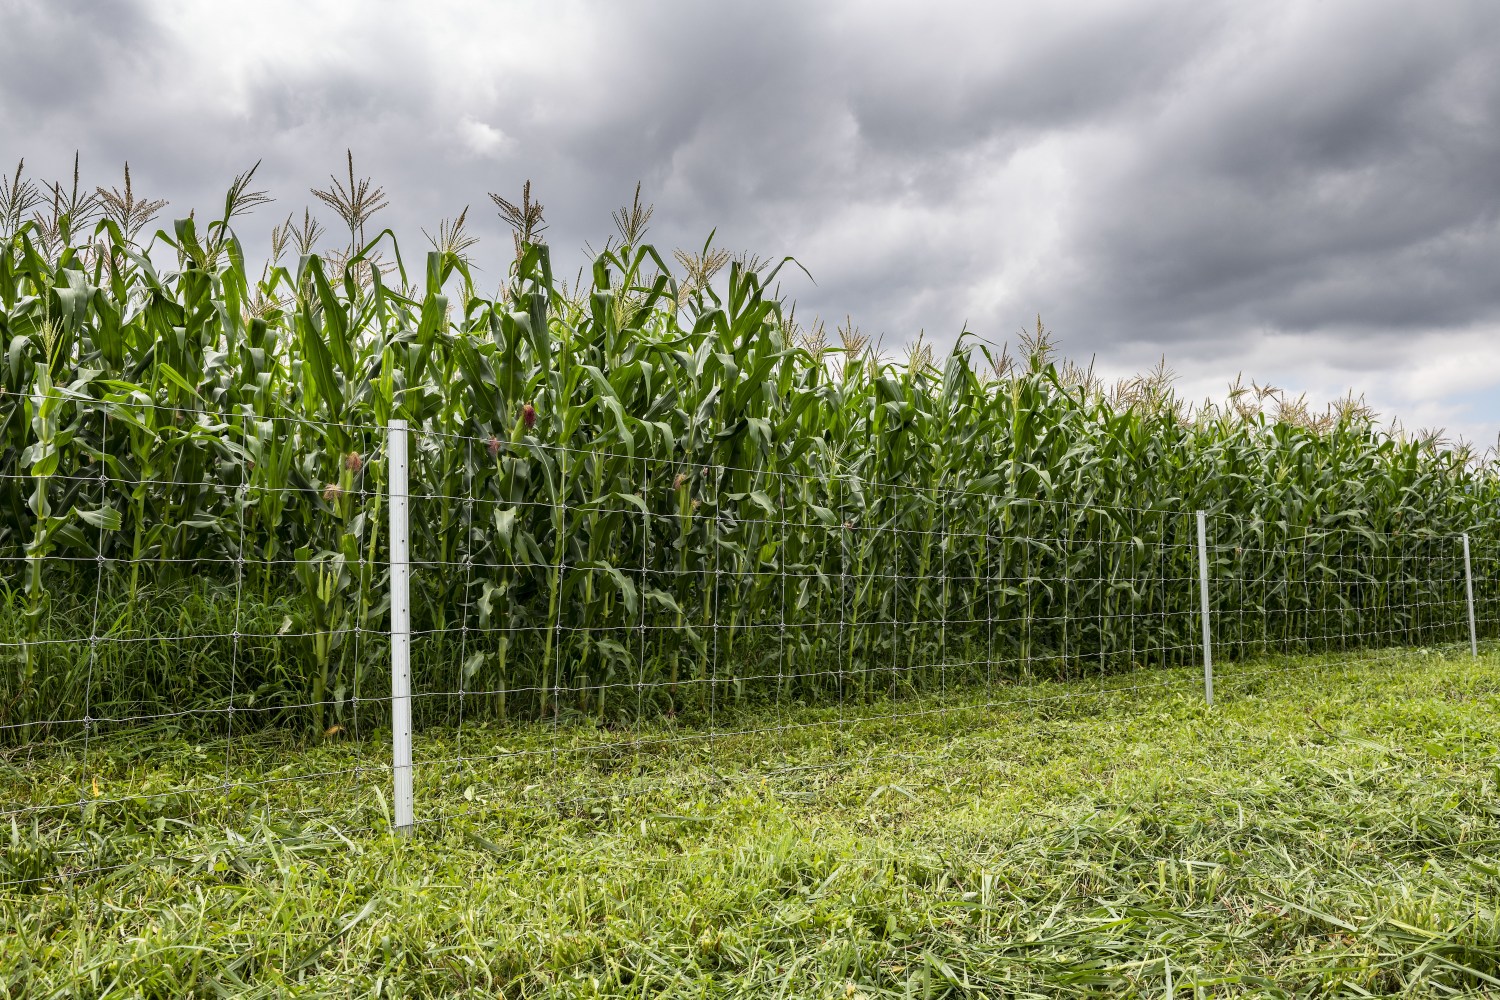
(1331, 827)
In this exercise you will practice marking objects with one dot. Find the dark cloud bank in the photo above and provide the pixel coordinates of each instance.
(1305, 192)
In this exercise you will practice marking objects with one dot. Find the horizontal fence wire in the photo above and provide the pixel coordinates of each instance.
(231, 604)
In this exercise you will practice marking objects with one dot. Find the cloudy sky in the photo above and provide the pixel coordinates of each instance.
(1308, 192)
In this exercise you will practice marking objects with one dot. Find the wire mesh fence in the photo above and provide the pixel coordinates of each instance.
(223, 639)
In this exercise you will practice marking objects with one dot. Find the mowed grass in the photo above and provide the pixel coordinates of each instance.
(1331, 827)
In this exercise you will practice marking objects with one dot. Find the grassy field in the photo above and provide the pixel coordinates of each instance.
(1332, 827)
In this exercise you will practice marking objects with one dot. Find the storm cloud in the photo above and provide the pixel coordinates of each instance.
(1308, 193)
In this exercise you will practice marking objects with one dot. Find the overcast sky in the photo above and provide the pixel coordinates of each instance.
(1305, 192)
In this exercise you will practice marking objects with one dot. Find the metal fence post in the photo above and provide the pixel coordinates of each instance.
(1208, 650)
(1469, 593)
(405, 813)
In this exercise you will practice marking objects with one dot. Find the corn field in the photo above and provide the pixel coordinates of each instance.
(648, 492)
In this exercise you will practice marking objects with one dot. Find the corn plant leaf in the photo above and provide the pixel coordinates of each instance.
(103, 518)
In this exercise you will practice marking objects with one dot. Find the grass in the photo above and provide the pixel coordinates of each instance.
(642, 506)
(1331, 827)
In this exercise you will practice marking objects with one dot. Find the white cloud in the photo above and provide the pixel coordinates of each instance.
(482, 138)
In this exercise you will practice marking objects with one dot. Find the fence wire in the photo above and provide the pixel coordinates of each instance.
(209, 639)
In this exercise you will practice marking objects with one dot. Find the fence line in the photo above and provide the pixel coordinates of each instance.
(728, 601)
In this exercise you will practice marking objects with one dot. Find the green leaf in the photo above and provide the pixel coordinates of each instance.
(104, 518)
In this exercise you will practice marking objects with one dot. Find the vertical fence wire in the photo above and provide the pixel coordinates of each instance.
(747, 591)
(87, 774)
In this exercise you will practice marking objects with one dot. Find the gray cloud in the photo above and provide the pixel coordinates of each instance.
(1307, 192)
(1333, 191)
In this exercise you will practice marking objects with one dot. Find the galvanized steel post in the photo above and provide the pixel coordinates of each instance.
(402, 803)
(1208, 650)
